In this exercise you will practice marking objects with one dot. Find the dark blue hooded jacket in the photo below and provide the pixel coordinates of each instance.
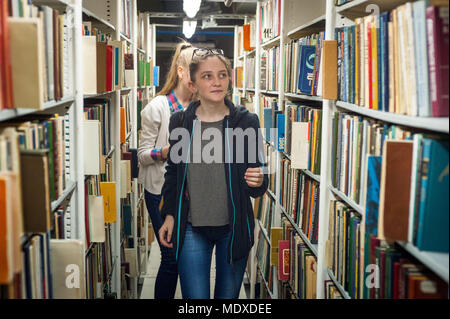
(239, 205)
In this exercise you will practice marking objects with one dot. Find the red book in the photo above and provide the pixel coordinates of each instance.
(437, 28)
(109, 67)
(396, 274)
(374, 243)
(283, 260)
(5, 59)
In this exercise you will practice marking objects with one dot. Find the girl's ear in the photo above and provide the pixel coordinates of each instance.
(192, 87)
(180, 71)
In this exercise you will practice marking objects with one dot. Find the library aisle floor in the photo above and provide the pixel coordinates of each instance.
(148, 287)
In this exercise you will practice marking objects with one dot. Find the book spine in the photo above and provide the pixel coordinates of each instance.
(438, 49)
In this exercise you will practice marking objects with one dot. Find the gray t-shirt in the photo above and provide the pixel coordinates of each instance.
(206, 181)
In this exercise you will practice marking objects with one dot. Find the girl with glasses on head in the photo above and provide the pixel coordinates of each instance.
(207, 204)
(152, 153)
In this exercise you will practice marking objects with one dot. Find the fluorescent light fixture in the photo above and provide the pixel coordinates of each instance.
(191, 7)
(189, 28)
(209, 22)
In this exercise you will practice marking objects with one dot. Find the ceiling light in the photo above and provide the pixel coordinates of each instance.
(209, 22)
(228, 2)
(189, 28)
(191, 7)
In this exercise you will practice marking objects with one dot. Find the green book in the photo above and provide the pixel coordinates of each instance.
(51, 164)
(141, 73)
(147, 73)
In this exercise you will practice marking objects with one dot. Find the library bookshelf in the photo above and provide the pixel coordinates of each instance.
(298, 19)
(107, 17)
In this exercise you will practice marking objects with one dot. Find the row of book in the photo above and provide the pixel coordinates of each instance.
(298, 265)
(397, 61)
(35, 278)
(270, 69)
(105, 65)
(125, 117)
(331, 290)
(343, 247)
(250, 73)
(400, 175)
(32, 55)
(304, 136)
(264, 208)
(300, 200)
(302, 69)
(49, 136)
(270, 20)
(390, 273)
(126, 8)
(263, 259)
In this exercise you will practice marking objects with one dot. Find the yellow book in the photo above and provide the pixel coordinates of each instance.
(275, 236)
(108, 191)
(374, 64)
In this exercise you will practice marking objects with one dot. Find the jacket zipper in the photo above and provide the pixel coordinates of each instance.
(182, 191)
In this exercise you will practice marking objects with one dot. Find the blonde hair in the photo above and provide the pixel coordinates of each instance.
(182, 57)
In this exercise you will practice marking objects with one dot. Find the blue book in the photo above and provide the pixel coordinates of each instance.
(127, 219)
(305, 79)
(385, 16)
(373, 193)
(432, 234)
(156, 75)
(116, 68)
(281, 132)
(267, 123)
(421, 54)
(49, 271)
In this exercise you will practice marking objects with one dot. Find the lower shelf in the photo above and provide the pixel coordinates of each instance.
(341, 289)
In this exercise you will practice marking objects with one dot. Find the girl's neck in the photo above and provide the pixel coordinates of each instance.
(183, 95)
(212, 112)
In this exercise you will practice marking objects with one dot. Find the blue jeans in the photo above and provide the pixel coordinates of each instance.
(166, 280)
(194, 265)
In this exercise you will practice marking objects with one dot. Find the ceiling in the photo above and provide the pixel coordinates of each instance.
(173, 9)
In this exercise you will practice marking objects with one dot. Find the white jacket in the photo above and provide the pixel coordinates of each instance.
(154, 134)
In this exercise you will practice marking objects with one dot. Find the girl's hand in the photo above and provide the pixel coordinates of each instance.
(165, 232)
(254, 177)
(165, 152)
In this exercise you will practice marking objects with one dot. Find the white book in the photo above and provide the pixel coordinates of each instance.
(89, 64)
(123, 179)
(300, 145)
(416, 161)
(96, 219)
(91, 147)
(344, 154)
(411, 81)
(27, 62)
(68, 269)
(362, 67)
(131, 257)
